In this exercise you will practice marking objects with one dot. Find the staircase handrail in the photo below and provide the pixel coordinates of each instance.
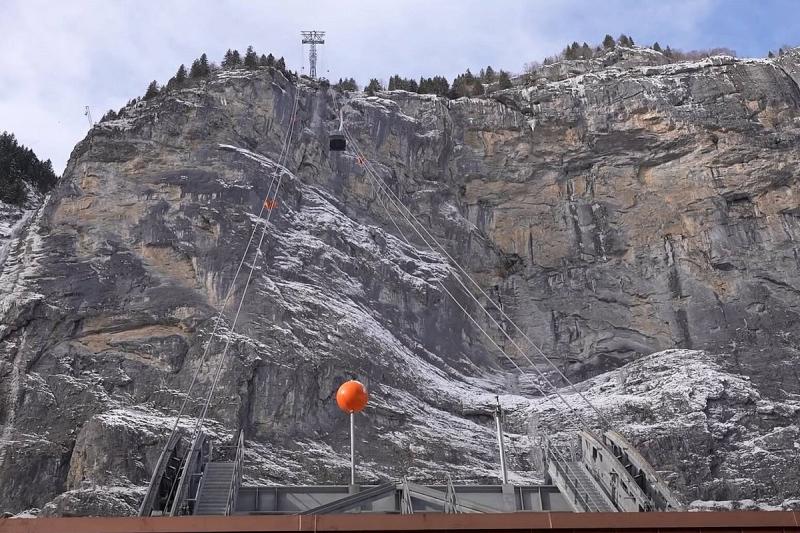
(236, 476)
(572, 484)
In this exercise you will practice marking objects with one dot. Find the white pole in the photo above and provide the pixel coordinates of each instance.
(497, 415)
(352, 449)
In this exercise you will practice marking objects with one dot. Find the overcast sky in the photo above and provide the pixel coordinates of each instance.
(58, 56)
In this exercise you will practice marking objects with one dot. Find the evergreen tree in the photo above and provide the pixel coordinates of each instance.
(194, 70)
(437, 85)
(459, 87)
(347, 84)
(180, 76)
(110, 115)
(396, 83)
(262, 61)
(433, 85)
(466, 85)
(205, 68)
(19, 165)
(227, 58)
(12, 185)
(770, 54)
(373, 86)
(424, 86)
(490, 74)
(656, 46)
(608, 42)
(231, 60)
(280, 64)
(270, 60)
(504, 80)
(440, 85)
(623, 40)
(572, 51)
(250, 59)
(200, 67)
(586, 51)
(152, 90)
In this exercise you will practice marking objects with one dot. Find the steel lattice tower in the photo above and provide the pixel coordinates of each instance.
(313, 38)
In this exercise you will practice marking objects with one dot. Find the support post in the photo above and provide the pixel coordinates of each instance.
(352, 449)
(498, 414)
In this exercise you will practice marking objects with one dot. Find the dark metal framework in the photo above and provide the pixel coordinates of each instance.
(605, 474)
(402, 497)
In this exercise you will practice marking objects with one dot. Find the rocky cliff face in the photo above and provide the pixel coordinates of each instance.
(612, 214)
(14, 218)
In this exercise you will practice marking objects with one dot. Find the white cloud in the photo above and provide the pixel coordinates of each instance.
(59, 56)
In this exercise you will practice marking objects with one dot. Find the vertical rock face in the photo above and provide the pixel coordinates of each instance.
(668, 218)
(611, 215)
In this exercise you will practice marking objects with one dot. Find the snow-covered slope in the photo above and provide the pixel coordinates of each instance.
(713, 435)
(13, 220)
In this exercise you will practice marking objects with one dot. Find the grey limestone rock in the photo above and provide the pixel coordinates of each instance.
(611, 215)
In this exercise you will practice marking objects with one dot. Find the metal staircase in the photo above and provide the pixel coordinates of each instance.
(186, 483)
(580, 488)
(594, 499)
(219, 487)
(215, 489)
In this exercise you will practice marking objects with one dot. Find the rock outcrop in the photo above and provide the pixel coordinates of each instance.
(613, 214)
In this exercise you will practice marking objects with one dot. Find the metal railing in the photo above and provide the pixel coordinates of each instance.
(571, 481)
(236, 476)
(193, 464)
(146, 508)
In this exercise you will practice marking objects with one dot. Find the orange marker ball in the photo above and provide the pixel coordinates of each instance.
(352, 396)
